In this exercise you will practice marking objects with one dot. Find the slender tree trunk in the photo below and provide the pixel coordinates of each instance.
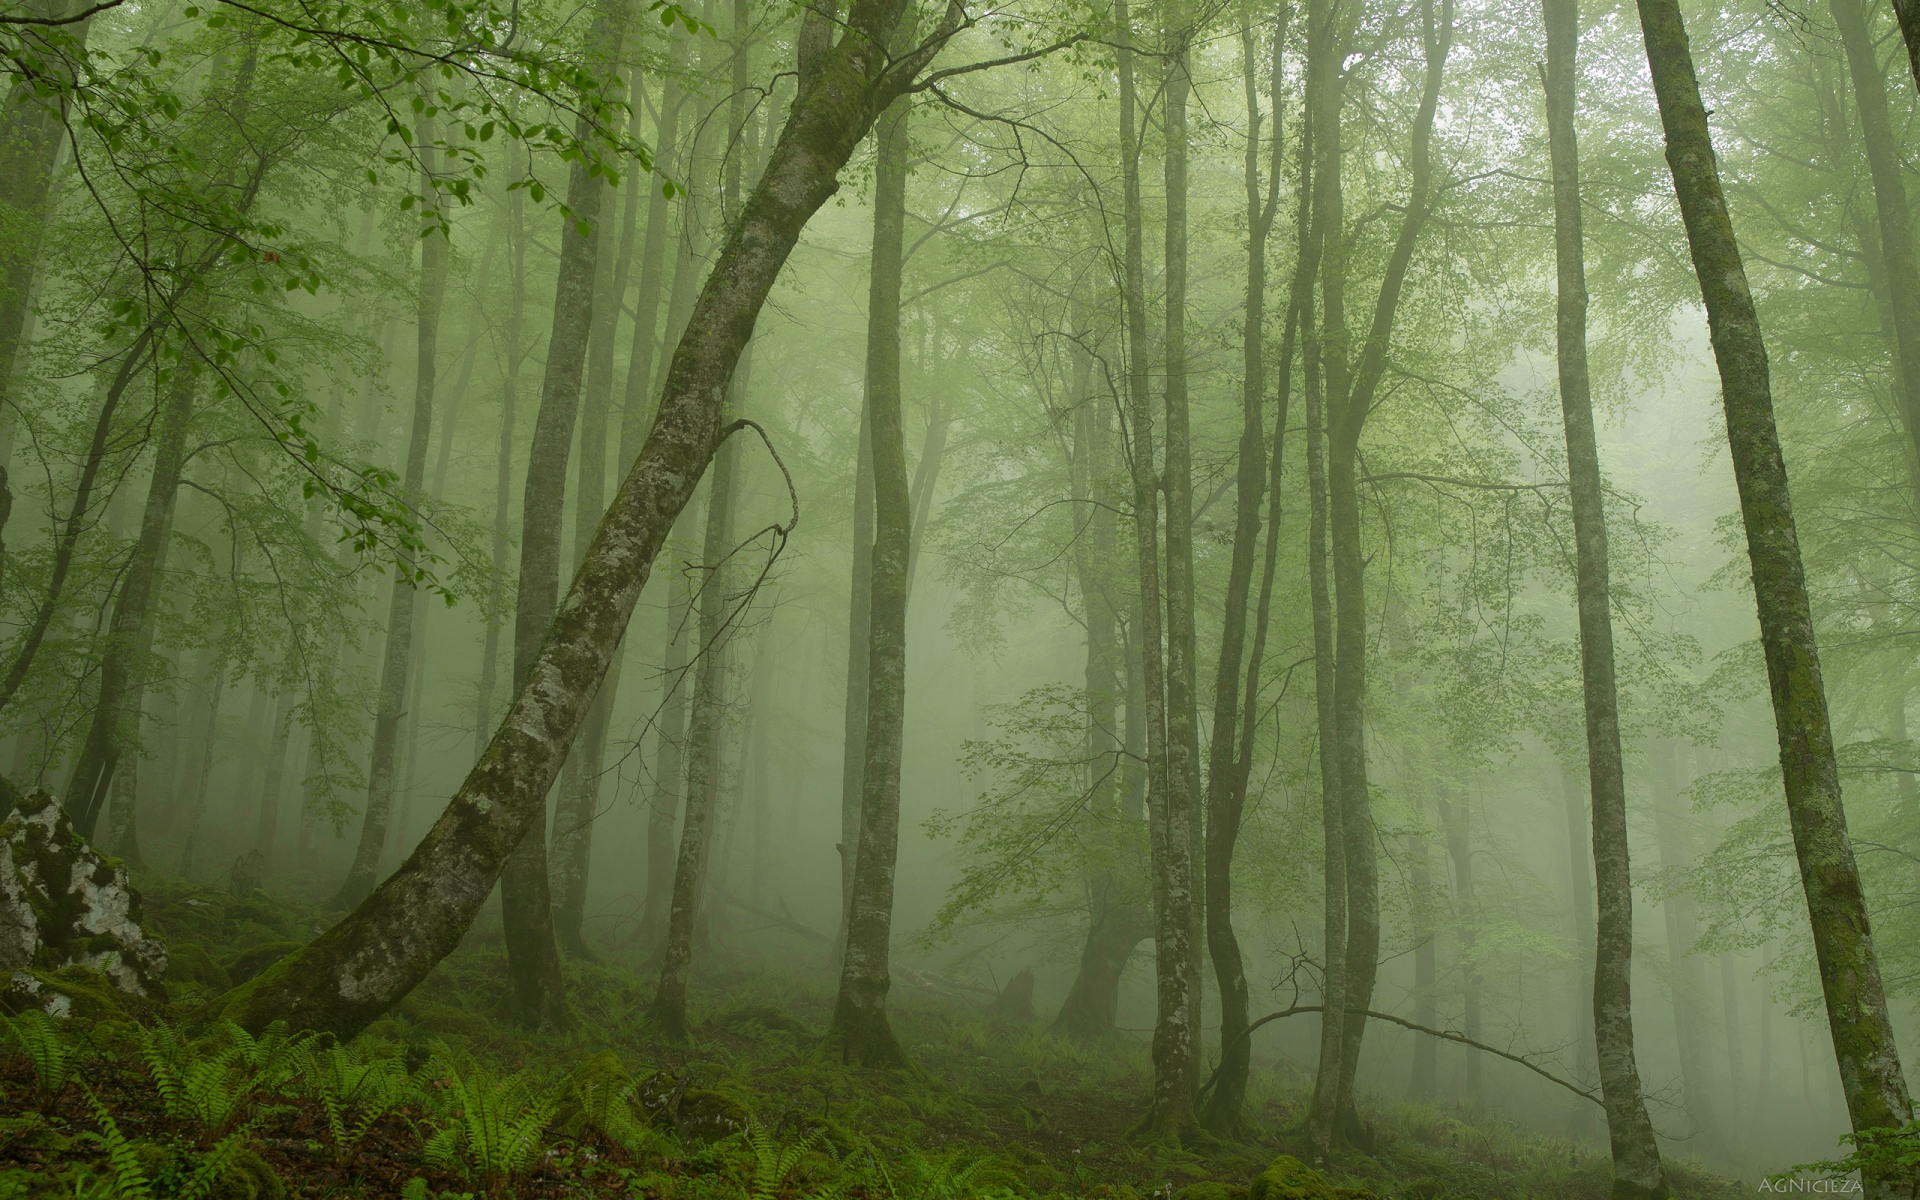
(1637, 1170)
(1741, 1099)
(1875, 1090)
(669, 774)
(397, 657)
(1423, 1084)
(196, 797)
(1686, 973)
(1466, 924)
(860, 1033)
(516, 235)
(1580, 908)
(360, 967)
(1898, 256)
(580, 784)
(533, 951)
(269, 827)
(34, 134)
(1908, 14)
(853, 743)
(704, 744)
(116, 714)
(1324, 101)
(1226, 781)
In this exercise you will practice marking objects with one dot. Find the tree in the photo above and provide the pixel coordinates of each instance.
(1636, 1156)
(1875, 1090)
(361, 966)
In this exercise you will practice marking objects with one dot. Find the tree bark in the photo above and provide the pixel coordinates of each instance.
(116, 713)
(1228, 759)
(1466, 922)
(516, 235)
(669, 772)
(1686, 973)
(1875, 1090)
(1637, 1169)
(1351, 388)
(1907, 12)
(1323, 117)
(1423, 1081)
(268, 828)
(860, 1033)
(1580, 907)
(853, 737)
(533, 950)
(396, 664)
(361, 966)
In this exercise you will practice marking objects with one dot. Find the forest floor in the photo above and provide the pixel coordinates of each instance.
(448, 1098)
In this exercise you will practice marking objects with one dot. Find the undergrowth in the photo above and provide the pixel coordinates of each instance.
(445, 1099)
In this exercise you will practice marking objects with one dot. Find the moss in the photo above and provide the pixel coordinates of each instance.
(248, 1177)
(1287, 1178)
(707, 1116)
(1212, 1190)
(68, 992)
(251, 962)
(189, 962)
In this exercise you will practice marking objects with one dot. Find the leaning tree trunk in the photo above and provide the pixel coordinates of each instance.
(1637, 1170)
(533, 951)
(1226, 790)
(360, 967)
(397, 656)
(860, 1033)
(1863, 1042)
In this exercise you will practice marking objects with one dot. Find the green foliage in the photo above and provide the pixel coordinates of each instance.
(488, 1127)
(354, 1092)
(211, 1082)
(774, 1161)
(40, 1041)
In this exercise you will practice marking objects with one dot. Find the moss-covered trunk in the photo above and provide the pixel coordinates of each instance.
(1637, 1170)
(1875, 1090)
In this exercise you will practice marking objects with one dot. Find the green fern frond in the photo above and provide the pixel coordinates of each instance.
(40, 1041)
(129, 1178)
(207, 1176)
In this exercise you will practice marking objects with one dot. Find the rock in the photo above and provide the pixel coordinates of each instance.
(190, 963)
(73, 991)
(63, 905)
(1287, 1178)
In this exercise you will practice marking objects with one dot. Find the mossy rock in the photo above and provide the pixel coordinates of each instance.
(69, 992)
(248, 1177)
(1212, 1190)
(189, 962)
(251, 962)
(1287, 1178)
(445, 1019)
(707, 1116)
(1428, 1188)
(62, 903)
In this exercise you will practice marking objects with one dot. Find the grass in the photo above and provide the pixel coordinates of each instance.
(445, 1098)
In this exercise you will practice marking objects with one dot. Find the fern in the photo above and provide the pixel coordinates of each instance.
(206, 1089)
(40, 1041)
(218, 1161)
(353, 1093)
(774, 1164)
(490, 1128)
(274, 1057)
(127, 1179)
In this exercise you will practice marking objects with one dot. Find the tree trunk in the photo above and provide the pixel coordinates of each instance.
(669, 774)
(1897, 253)
(196, 798)
(1686, 973)
(1351, 388)
(116, 715)
(516, 235)
(360, 967)
(853, 738)
(1637, 1170)
(397, 657)
(1466, 924)
(580, 784)
(1324, 100)
(704, 743)
(860, 1033)
(34, 135)
(1580, 907)
(1226, 780)
(1423, 1083)
(533, 951)
(1875, 1090)
(269, 827)
(1908, 14)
